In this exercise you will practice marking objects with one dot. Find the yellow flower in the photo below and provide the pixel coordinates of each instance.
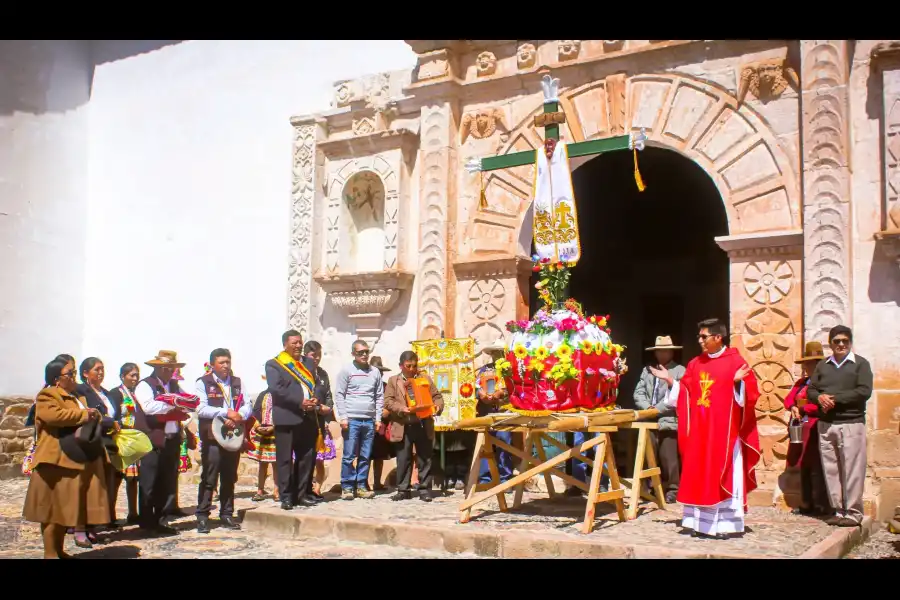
(551, 267)
(536, 365)
(601, 322)
(520, 351)
(541, 352)
(618, 349)
(587, 346)
(564, 352)
(540, 284)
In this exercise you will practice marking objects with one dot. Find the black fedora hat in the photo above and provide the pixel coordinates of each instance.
(85, 444)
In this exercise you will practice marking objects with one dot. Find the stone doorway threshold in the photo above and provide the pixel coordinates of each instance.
(544, 529)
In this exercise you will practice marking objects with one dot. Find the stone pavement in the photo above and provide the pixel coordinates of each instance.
(380, 528)
(19, 539)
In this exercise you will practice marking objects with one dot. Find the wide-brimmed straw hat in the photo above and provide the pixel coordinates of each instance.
(165, 358)
(376, 362)
(496, 346)
(664, 342)
(813, 351)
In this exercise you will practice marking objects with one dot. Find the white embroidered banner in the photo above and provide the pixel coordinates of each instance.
(555, 217)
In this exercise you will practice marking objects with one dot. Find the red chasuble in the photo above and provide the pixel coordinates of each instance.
(709, 422)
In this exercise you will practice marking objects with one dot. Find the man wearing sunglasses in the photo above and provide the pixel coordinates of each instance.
(840, 387)
(359, 399)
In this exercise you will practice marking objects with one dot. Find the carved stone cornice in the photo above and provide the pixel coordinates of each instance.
(886, 52)
(354, 282)
(366, 144)
(478, 267)
(889, 241)
(761, 244)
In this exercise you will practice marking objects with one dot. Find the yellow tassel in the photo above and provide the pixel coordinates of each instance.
(637, 174)
(482, 200)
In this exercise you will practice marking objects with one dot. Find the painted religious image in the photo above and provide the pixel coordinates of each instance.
(451, 365)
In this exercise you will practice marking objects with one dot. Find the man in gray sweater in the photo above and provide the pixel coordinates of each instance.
(840, 386)
(359, 399)
(651, 392)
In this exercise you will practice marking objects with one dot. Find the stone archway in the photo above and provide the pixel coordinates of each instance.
(761, 194)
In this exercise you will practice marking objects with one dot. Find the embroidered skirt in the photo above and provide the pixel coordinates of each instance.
(330, 451)
(264, 452)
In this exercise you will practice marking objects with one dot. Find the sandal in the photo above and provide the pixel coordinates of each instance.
(83, 541)
(258, 497)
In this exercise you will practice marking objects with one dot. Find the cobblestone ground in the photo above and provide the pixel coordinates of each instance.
(19, 539)
(882, 544)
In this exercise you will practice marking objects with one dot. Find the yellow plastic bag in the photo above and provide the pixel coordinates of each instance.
(133, 445)
(320, 443)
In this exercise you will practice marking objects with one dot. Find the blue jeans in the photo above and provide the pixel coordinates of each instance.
(579, 469)
(358, 441)
(504, 460)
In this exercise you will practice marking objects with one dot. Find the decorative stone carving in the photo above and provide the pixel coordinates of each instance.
(767, 79)
(486, 64)
(302, 194)
(569, 49)
(366, 298)
(526, 55)
(433, 65)
(482, 124)
(363, 126)
(343, 94)
(486, 298)
(768, 282)
(613, 45)
(826, 201)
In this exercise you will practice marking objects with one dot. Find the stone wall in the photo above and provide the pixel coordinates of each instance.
(15, 438)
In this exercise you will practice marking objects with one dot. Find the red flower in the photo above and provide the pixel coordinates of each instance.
(466, 390)
(560, 265)
(536, 268)
(545, 260)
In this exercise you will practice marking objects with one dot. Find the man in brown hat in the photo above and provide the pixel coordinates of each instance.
(158, 477)
(652, 390)
(813, 496)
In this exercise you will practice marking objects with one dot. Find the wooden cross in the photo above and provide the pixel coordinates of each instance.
(550, 120)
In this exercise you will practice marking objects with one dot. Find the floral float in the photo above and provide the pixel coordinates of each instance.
(561, 360)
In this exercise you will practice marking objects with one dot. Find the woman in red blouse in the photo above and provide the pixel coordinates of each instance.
(813, 496)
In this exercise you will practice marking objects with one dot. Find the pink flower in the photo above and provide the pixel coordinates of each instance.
(590, 372)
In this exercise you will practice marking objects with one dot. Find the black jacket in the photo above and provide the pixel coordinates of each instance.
(288, 394)
(323, 392)
(107, 421)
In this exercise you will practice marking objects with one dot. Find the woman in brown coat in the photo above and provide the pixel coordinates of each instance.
(63, 493)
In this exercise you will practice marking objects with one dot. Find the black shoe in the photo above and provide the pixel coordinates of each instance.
(314, 498)
(286, 505)
(304, 502)
(425, 496)
(202, 524)
(230, 523)
(163, 528)
(672, 498)
(401, 496)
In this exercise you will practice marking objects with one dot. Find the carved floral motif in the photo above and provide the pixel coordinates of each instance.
(486, 64)
(768, 282)
(569, 49)
(482, 124)
(299, 274)
(486, 298)
(526, 55)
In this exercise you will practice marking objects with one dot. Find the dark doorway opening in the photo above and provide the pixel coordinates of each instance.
(648, 259)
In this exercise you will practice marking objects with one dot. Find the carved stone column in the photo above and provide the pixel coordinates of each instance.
(826, 195)
(306, 166)
(886, 59)
(438, 190)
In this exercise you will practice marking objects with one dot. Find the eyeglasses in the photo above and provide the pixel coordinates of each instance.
(361, 353)
(841, 341)
(69, 374)
(705, 336)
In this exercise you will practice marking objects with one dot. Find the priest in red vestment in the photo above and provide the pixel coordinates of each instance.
(717, 436)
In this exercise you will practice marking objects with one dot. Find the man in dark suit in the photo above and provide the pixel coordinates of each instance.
(292, 381)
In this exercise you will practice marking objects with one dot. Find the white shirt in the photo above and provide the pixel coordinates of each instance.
(850, 356)
(110, 407)
(146, 397)
(205, 411)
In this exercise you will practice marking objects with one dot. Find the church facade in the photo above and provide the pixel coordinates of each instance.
(391, 243)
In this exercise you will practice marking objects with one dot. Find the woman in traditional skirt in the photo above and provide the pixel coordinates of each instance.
(325, 448)
(263, 438)
(382, 449)
(63, 493)
(130, 374)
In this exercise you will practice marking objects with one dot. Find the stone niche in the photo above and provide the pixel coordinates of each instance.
(362, 233)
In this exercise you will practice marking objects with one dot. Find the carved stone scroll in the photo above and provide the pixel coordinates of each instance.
(826, 197)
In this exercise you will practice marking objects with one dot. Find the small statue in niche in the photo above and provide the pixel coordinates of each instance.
(486, 63)
(569, 49)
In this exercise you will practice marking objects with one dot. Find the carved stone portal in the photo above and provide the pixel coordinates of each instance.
(486, 64)
(767, 80)
(365, 298)
(526, 55)
(482, 124)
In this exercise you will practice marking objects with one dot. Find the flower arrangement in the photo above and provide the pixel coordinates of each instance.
(466, 390)
(503, 368)
(554, 279)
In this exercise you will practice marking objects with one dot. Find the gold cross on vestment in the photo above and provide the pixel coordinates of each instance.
(705, 384)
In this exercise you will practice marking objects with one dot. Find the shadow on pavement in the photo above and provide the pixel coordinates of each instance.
(118, 552)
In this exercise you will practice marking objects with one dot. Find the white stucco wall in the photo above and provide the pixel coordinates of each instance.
(190, 175)
(44, 91)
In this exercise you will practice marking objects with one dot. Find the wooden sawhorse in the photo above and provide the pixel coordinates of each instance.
(644, 453)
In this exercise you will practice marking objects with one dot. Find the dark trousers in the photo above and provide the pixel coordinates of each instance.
(665, 447)
(217, 464)
(295, 455)
(157, 481)
(504, 460)
(414, 436)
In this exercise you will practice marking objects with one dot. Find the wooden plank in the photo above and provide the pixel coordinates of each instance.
(494, 470)
(558, 459)
(634, 497)
(600, 146)
(590, 510)
(585, 421)
(551, 131)
(614, 482)
(525, 460)
(529, 460)
(472, 483)
(548, 475)
(507, 161)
